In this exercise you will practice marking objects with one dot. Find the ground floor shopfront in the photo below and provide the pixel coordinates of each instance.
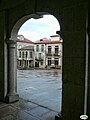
(49, 62)
(25, 64)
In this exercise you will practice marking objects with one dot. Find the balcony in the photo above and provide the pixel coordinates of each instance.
(39, 58)
(57, 54)
(49, 54)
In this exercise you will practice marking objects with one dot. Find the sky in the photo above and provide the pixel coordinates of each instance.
(35, 29)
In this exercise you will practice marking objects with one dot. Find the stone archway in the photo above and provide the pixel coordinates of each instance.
(12, 79)
(73, 14)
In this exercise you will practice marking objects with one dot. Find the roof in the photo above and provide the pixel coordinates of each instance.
(55, 36)
(47, 42)
(20, 35)
(27, 48)
(24, 40)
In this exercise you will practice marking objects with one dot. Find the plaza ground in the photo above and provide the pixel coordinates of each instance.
(40, 94)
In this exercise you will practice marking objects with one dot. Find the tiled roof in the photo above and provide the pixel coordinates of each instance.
(47, 42)
(27, 48)
(25, 40)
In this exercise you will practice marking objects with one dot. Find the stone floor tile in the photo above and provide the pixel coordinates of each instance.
(38, 111)
(6, 111)
(40, 87)
(49, 116)
(9, 117)
(25, 116)
(29, 106)
(25, 105)
(29, 111)
(2, 104)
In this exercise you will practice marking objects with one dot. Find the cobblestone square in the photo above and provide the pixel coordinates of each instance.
(42, 87)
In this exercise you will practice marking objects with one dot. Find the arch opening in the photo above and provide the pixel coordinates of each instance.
(26, 64)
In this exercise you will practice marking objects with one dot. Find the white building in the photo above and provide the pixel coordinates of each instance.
(54, 55)
(43, 53)
(55, 37)
(26, 57)
(22, 42)
(48, 53)
(25, 52)
(40, 53)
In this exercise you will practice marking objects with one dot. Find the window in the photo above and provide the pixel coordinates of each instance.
(37, 48)
(20, 54)
(20, 62)
(49, 61)
(53, 62)
(56, 49)
(42, 48)
(26, 54)
(39, 55)
(49, 49)
(31, 54)
(56, 61)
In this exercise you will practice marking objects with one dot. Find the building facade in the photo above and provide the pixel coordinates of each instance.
(40, 58)
(26, 57)
(25, 52)
(48, 53)
(43, 53)
(22, 42)
(54, 54)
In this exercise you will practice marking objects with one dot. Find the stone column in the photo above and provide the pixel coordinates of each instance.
(12, 95)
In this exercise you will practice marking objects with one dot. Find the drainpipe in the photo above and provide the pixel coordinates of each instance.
(86, 68)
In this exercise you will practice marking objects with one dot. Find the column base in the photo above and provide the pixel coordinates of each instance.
(10, 98)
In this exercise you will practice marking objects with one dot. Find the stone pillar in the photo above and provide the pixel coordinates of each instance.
(59, 115)
(12, 95)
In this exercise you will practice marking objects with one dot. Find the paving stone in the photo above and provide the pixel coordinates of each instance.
(7, 110)
(49, 116)
(25, 105)
(2, 104)
(48, 104)
(11, 112)
(41, 86)
(42, 91)
(25, 116)
(38, 111)
(29, 106)
(9, 117)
